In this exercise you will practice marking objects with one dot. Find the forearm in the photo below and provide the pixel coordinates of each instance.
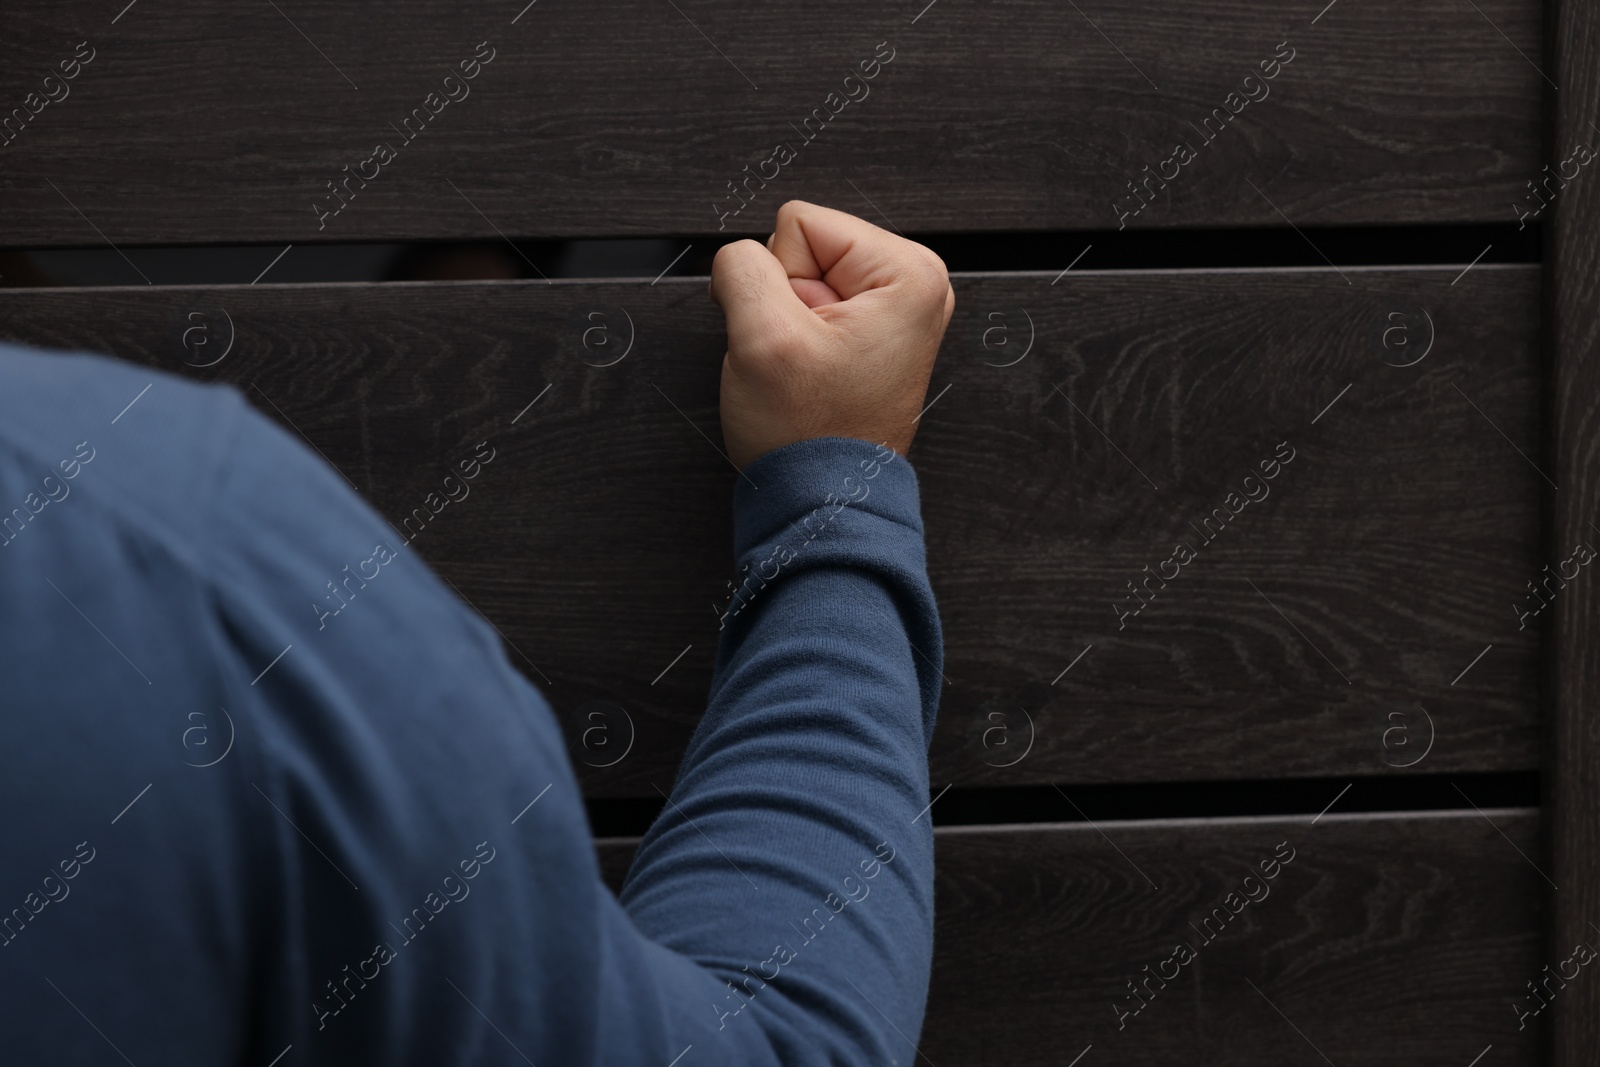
(791, 859)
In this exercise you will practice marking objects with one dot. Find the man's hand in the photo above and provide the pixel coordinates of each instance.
(832, 332)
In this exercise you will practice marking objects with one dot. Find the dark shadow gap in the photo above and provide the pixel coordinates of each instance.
(1165, 249)
(1104, 804)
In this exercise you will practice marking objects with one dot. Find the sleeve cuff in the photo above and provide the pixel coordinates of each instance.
(834, 504)
(805, 485)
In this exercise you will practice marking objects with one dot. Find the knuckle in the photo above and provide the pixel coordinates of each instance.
(731, 255)
(927, 275)
(937, 263)
(723, 261)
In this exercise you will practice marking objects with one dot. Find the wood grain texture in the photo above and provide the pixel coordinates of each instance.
(199, 123)
(1388, 939)
(1572, 753)
(1329, 628)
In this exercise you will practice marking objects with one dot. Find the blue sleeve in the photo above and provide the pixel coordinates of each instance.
(277, 791)
(793, 861)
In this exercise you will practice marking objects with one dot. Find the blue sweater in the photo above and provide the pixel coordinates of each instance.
(269, 787)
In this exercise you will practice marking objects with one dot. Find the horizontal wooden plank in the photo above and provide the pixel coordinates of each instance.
(1338, 624)
(1014, 115)
(1386, 939)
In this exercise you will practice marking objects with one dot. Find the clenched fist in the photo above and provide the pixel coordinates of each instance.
(833, 328)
